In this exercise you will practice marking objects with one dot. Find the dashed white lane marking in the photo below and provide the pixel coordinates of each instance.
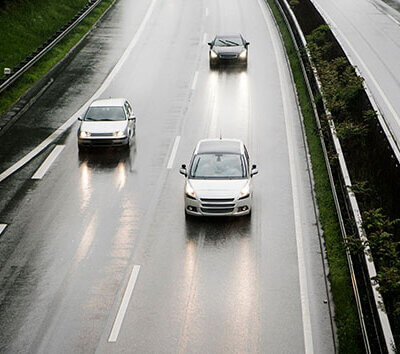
(124, 304)
(205, 38)
(50, 139)
(305, 305)
(196, 75)
(206, 11)
(44, 167)
(173, 152)
(2, 228)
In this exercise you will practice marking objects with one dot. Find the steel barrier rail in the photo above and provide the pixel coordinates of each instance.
(385, 325)
(47, 48)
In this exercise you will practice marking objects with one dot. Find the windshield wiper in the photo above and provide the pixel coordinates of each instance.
(232, 43)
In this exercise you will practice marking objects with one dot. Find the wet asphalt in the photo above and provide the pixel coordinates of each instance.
(218, 285)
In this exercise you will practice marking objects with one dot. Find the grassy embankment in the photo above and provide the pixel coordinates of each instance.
(345, 309)
(25, 25)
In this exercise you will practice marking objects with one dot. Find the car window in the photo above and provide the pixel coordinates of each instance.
(105, 114)
(218, 165)
(228, 41)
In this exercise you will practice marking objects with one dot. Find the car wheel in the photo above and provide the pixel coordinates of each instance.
(213, 65)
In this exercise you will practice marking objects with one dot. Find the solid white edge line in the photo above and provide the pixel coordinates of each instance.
(80, 111)
(124, 304)
(305, 309)
(196, 74)
(206, 11)
(2, 228)
(44, 167)
(173, 152)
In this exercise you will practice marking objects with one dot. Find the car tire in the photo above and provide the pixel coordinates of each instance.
(213, 66)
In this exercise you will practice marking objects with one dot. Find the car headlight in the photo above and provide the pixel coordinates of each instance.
(245, 192)
(84, 134)
(213, 54)
(243, 54)
(189, 191)
(119, 133)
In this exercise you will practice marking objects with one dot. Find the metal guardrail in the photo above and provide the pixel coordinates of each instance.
(378, 301)
(25, 65)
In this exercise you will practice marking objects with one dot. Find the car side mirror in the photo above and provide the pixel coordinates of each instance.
(79, 118)
(247, 43)
(209, 43)
(254, 170)
(183, 170)
(132, 118)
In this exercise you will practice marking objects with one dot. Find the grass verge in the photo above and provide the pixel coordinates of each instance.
(346, 318)
(42, 67)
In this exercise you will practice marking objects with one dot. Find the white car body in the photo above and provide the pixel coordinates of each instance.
(107, 131)
(219, 196)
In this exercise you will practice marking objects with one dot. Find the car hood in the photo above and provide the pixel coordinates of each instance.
(228, 50)
(219, 188)
(104, 127)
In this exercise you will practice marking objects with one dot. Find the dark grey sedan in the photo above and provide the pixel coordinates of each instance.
(228, 49)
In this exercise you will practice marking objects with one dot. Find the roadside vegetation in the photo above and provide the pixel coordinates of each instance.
(25, 25)
(371, 166)
(346, 317)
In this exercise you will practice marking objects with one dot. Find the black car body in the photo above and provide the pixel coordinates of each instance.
(228, 49)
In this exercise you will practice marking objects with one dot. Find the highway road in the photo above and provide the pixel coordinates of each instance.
(96, 254)
(369, 32)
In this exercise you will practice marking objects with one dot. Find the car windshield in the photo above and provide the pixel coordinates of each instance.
(218, 165)
(105, 114)
(228, 42)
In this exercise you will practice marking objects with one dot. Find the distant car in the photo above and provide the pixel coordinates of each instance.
(219, 179)
(107, 122)
(228, 49)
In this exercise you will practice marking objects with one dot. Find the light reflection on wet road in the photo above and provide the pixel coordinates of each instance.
(205, 285)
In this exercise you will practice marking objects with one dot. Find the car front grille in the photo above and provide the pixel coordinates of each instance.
(101, 134)
(211, 205)
(213, 200)
(228, 56)
(217, 206)
(217, 211)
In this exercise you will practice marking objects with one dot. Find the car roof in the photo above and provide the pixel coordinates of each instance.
(114, 102)
(233, 146)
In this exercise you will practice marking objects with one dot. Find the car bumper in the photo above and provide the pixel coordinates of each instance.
(228, 61)
(200, 207)
(102, 142)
